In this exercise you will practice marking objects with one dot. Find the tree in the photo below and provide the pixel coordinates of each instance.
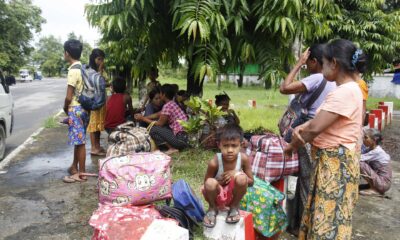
(215, 34)
(48, 55)
(19, 20)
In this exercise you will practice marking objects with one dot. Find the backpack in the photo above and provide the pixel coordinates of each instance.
(297, 113)
(179, 215)
(127, 138)
(93, 94)
(186, 199)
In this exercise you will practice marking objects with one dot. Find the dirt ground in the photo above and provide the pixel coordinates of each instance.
(36, 204)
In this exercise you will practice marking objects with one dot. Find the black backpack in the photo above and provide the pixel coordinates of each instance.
(180, 216)
(93, 94)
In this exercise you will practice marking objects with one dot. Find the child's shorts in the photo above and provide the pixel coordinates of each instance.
(78, 120)
(225, 195)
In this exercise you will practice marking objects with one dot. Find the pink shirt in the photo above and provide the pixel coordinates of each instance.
(174, 113)
(347, 101)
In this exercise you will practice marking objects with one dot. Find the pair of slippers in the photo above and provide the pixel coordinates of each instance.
(78, 177)
(75, 176)
(371, 192)
(211, 217)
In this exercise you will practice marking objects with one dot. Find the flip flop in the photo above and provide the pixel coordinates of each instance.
(72, 179)
(88, 174)
(211, 215)
(233, 216)
(101, 154)
(370, 192)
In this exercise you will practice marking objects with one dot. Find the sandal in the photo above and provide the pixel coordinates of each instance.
(72, 178)
(370, 192)
(99, 153)
(233, 216)
(211, 217)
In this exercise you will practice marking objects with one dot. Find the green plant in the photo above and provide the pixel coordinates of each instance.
(192, 125)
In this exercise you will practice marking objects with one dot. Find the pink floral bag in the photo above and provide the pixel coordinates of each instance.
(137, 179)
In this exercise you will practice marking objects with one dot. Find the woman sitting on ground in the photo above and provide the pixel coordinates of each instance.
(153, 108)
(375, 165)
(167, 129)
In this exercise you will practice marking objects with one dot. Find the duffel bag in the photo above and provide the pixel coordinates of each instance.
(137, 179)
(268, 161)
(127, 138)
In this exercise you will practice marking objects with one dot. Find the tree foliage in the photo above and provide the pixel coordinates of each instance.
(48, 54)
(213, 35)
(19, 20)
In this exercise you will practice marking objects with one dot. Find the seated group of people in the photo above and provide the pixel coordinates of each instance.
(162, 109)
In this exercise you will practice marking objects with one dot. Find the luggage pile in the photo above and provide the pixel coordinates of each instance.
(131, 180)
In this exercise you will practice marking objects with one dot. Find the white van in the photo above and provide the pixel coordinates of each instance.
(24, 75)
(6, 114)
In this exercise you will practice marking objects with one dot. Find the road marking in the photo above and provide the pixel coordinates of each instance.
(6, 161)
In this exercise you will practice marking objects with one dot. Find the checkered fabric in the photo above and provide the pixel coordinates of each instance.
(174, 113)
(128, 139)
(268, 161)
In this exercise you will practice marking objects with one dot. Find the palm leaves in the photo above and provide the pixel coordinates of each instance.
(215, 34)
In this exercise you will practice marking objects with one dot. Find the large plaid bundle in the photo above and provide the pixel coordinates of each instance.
(268, 160)
(128, 139)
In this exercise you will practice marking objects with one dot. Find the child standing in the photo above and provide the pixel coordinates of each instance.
(375, 165)
(118, 106)
(227, 177)
(223, 101)
(78, 117)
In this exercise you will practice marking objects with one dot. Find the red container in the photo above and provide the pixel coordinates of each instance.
(385, 109)
(378, 113)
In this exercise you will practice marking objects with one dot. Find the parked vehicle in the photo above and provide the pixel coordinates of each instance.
(24, 75)
(37, 75)
(6, 114)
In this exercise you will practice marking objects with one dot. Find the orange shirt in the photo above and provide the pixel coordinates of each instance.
(364, 89)
(347, 101)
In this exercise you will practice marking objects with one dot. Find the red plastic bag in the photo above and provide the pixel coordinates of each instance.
(122, 223)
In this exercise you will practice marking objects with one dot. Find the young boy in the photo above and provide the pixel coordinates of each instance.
(78, 117)
(228, 175)
(223, 101)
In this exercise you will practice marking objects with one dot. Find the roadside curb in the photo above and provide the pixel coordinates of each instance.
(6, 161)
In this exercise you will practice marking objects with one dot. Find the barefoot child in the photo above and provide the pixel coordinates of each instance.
(228, 175)
(375, 165)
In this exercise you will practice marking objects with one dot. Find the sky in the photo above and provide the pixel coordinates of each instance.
(63, 17)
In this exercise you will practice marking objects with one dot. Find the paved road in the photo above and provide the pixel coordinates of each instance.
(34, 102)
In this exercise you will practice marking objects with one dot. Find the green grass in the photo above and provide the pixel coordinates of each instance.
(50, 122)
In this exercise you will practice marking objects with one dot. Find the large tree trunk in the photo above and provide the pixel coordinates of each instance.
(241, 75)
(142, 85)
(194, 86)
